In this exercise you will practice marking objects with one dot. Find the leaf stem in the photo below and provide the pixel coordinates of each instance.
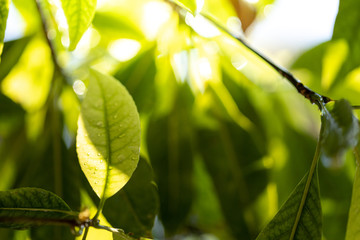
(307, 186)
(356, 107)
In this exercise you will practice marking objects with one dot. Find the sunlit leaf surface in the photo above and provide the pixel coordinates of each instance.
(79, 14)
(27, 207)
(108, 138)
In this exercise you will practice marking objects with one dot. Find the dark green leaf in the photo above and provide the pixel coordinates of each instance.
(138, 76)
(79, 15)
(134, 207)
(11, 116)
(121, 236)
(4, 10)
(169, 141)
(300, 216)
(28, 207)
(340, 131)
(12, 53)
(231, 158)
(108, 138)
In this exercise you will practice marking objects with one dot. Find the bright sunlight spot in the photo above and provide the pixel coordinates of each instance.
(202, 26)
(79, 87)
(124, 49)
(204, 68)
(155, 15)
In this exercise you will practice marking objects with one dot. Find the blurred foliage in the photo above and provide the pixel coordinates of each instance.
(224, 140)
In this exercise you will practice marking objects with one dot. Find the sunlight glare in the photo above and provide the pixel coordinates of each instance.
(124, 49)
(205, 68)
(155, 15)
(202, 26)
(79, 87)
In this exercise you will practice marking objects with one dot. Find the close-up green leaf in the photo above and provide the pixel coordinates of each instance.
(108, 138)
(27, 207)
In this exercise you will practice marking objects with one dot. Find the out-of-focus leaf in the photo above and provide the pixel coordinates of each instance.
(79, 15)
(134, 207)
(12, 52)
(121, 236)
(189, 5)
(108, 138)
(4, 10)
(169, 141)
(245, 12)
(28, 207)
(340, 131)
(300, 216)
(138, 76)
(33, 73)
(231, 158)
(11, 116)
(345, 28)
(112, 25)
(353, 228)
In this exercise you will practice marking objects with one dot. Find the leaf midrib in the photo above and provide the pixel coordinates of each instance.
(107, 138)
(47, 210)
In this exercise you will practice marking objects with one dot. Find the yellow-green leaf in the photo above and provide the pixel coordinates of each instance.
(108, 137)
(79, 15)
(189, 5)
(4, 10)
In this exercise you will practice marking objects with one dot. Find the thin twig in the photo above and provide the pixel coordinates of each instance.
(356, 107)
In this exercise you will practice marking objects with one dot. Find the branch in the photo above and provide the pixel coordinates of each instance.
(313, 96)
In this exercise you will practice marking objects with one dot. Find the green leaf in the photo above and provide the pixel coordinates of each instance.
(79, 15)
(121, 236)
(346, 28)
(28, 207)
(300, 216)
(12, 116)
(353, 227)
(12, 53)
(108, 137)
(138, 76)
(137, 202)
(169, 141)
(4, 11)
(340, 132)
(189, 5)
(231, 157)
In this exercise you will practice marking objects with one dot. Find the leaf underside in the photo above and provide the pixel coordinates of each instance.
(309, 225)
(28, 207)
(108, 137)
